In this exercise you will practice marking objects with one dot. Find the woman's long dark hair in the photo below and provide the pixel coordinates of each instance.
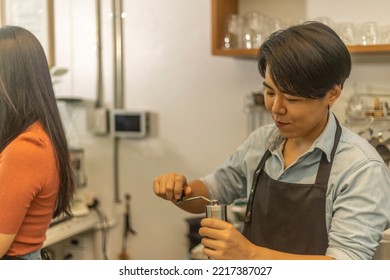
(27, 96)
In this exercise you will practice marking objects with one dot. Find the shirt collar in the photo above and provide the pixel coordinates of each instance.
(324, 142)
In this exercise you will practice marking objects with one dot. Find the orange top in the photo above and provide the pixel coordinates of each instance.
(29, 184)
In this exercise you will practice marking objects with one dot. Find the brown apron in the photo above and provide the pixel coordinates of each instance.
(289, 217)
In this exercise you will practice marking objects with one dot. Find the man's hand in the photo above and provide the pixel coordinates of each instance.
(221, 240)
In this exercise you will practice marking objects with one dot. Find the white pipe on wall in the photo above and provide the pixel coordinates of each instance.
(99, 73)
(118, 54)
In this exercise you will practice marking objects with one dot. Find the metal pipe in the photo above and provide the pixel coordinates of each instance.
(99, 74)
(118, 82)
(118, 54)
(116, 171)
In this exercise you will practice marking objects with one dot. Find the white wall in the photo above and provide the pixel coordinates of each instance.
(196, 97)
(170, 71)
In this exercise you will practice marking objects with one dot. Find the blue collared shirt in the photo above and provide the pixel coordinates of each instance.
(358, 193)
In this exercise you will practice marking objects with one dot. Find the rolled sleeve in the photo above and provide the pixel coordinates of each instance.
(361, 212)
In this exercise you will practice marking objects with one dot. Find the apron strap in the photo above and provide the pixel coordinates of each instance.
(256, 176)
(326, 166)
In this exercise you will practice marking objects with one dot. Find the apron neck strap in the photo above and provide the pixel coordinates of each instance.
(325, 165)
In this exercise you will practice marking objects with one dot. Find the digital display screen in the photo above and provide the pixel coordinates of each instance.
(128, 123)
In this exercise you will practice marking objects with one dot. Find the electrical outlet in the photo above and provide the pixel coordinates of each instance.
(98, 121)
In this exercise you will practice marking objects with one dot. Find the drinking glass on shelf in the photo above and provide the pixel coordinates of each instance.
(369, 33)
(347, 31)
(326, 20)
(233, 33)
(297, 21)
(275, 24)
(385, 35)
(255, 30)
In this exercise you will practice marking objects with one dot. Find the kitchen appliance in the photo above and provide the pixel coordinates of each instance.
(78, 166)
(79, 204)
(382, 146)
(213, 210)
(217, 211)
(384, 151)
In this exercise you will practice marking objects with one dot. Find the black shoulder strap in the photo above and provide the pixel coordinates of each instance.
(325, 166)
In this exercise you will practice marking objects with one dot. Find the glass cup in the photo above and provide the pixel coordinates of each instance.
(297, 21)
(255, 30)
(326, 20)
(233, 32)
(369, 33)
(347, 32)
(385, 35)
(275, 24)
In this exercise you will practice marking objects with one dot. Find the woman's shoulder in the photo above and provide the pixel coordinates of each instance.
(31, 143)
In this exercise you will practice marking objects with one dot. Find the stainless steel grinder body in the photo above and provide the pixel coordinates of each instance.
(217, 211)
(213, 210)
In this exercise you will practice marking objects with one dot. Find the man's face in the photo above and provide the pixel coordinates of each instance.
(294, 116)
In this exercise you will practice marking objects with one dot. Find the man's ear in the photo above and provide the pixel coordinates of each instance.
(333, 95)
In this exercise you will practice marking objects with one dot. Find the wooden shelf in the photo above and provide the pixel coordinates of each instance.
(379, 49)
(236, 52)
(252, 53)
(220, 9)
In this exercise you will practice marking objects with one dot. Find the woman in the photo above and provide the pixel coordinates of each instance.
(315, 189)
(36, 180)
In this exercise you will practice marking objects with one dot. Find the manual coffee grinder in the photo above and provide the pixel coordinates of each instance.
(213, 210)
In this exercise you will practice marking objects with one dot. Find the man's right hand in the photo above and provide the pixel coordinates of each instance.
(171, 186)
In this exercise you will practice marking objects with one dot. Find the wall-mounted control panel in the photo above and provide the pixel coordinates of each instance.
(129, 123)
